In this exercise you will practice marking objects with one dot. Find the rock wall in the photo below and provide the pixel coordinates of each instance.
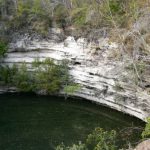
(90, 66)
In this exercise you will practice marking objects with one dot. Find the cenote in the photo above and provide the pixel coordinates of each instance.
(30, 122)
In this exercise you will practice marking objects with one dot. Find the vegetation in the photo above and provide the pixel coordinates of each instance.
(16, 76)
(97, 140)
(45, 76)
(104, 140)
(146, 132)
(79, 146)
(100, 139)
(70, 89)
(79, 13)
(22, 79)
(121, 17)
(7, 74)
(3, 48)
(50, 77)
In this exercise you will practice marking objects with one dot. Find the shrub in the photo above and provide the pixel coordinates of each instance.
(78, 16)
(123, 13)
(46, 75)
(100, 140)
(3, 48)
(79, 146)
(49, 77)
(97, 140)
(23, 80)
(60, 15)
(70, 89)
(146, 132)
(32, 14)
(5, 75)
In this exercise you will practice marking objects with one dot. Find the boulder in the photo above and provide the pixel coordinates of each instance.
(145, 145)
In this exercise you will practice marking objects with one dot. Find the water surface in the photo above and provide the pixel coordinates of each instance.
(30, 122)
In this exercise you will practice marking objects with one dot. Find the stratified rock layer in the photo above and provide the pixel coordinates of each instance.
(90, 66)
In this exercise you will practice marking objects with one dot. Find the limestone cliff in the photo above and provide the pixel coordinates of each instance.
(100, 77)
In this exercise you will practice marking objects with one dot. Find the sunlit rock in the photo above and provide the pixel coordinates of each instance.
(90, 67)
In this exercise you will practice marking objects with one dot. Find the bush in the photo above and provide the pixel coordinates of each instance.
(79, 146)
(123, 13)
(97, 140)
(146, 132)
(23, 80)
(78, 16)
(60, 15)
(50, 77)
(70, 89)
(5, 75)
(31, 14)
(45, 76)
(101, 140)
(16, 76)
(3, 48)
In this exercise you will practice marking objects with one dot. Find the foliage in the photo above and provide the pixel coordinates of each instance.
(97, 140)
(140, 66)
(79, 146)
(30, 13)
(101, 140)
(22, 79)
(137, 70)
(39, 14)
(60, 15)
(70, 89)
(78, 16)
(46, 76)
(5, 75)
(16, 76)
(146, 132)
(3, 48)
(115, 6)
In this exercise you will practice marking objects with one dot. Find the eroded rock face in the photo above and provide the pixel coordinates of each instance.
(90, 65)
(143, 146)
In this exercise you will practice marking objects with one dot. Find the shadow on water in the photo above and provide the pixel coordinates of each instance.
(31, 122)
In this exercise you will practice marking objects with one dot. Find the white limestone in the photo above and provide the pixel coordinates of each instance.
(92, 69)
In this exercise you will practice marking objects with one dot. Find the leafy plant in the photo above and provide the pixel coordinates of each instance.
(48, 76)
(70, 89)
(23, 79)
(3, 48)
(5, 75)
(78, 16)
(60, 15)
(146, 132)
(79, 146)
(101, 140)
(97, 140)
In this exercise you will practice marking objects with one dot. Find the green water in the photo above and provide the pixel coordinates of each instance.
(29, 122)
